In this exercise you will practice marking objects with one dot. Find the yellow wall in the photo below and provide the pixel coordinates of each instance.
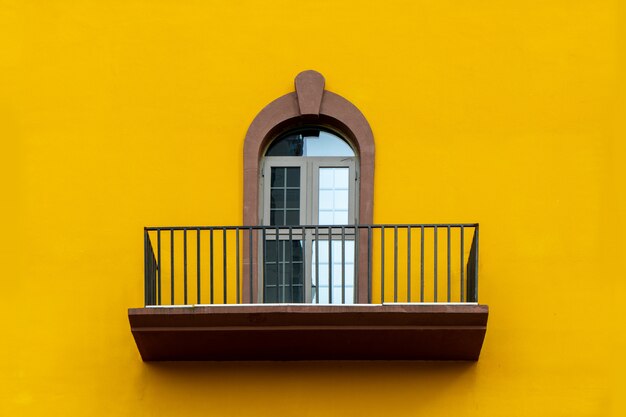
(120, 114)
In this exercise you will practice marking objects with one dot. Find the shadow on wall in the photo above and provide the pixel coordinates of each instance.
(345, 386)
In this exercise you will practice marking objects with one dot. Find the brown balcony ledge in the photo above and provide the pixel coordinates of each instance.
(441, 331)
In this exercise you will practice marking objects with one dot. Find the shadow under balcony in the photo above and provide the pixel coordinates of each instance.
(366, 292)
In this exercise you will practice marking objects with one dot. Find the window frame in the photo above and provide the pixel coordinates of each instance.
(309, 208)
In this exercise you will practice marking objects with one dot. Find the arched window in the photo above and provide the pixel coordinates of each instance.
(308, 178)
(308, 160)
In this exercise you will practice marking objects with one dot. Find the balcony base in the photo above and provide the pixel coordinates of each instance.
(310, 332)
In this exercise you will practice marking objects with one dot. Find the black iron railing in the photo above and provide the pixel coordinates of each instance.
(400, 263)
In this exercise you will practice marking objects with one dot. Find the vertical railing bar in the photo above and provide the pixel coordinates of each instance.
(303, 265)
(146, 269)
(395, 264)
(225, 265)
(449, 276)
(476, 265)
(264, 243)
(369, 264)
(435, 240)
(159, 261)
(343, 264)
(198, 264)
(250, 266)
(382, 264)
(408, 264)
(330, 265)
(185, 264)
(290, 263)
(172, 266)
(356, 261)
(211, 261)
(422, 265)
(317, 265)
(237, 262)
(280, 278)
(462, 263)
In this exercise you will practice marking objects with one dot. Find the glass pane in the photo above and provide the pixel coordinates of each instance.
(310, 142)
(340, 217)
(326, 178)
(277, 217)
(293, 198)
(270, 294)
(341, 178)
(298, 295)
(285, 192)
(271, 272)
(326, 199)
(284, 279)
(293, 177)
(326, 144)
(292, 217)
(297, 251)
(323, 246)
(278, 177)
(277, 198)
(270, 251)
(341, 200)
(297, 273)
(326, 217)
(333, 196)
(288, 145)
(322, 291)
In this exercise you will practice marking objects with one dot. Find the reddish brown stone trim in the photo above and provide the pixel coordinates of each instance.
(298, 109)
(309, 90)
(307, 332)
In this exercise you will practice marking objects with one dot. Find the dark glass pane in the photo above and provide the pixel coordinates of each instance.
(298, 295)
(270, 251)
(293, 177)
(286, 251)
(277, 217)
(278, 293)
(312, 141)
(271, 274)
(293, 198)
(270, 295)
(278, 177)
(290, 145)
(297, 250)
(297, 273)
(277, 198)
(292, 217)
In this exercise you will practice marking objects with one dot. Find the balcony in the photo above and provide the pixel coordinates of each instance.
(367, 292)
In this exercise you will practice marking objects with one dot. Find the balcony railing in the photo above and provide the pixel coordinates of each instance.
(390, 263)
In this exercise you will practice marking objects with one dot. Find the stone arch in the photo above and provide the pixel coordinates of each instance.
(309, 104)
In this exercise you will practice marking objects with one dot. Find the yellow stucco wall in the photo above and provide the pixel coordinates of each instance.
(120, 114)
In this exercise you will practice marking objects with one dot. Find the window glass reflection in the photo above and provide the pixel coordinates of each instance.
(333, 196)
(310, 142)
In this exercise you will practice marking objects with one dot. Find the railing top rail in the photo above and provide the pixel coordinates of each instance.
(321, 226)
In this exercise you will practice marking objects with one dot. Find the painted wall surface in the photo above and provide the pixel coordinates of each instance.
(119, 114)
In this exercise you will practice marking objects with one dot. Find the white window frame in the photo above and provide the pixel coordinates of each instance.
(309, 205)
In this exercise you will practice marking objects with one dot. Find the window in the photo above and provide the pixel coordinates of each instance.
(309, 178)
(305, 124)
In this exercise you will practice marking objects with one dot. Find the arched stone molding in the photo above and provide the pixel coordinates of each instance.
(310, 104)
